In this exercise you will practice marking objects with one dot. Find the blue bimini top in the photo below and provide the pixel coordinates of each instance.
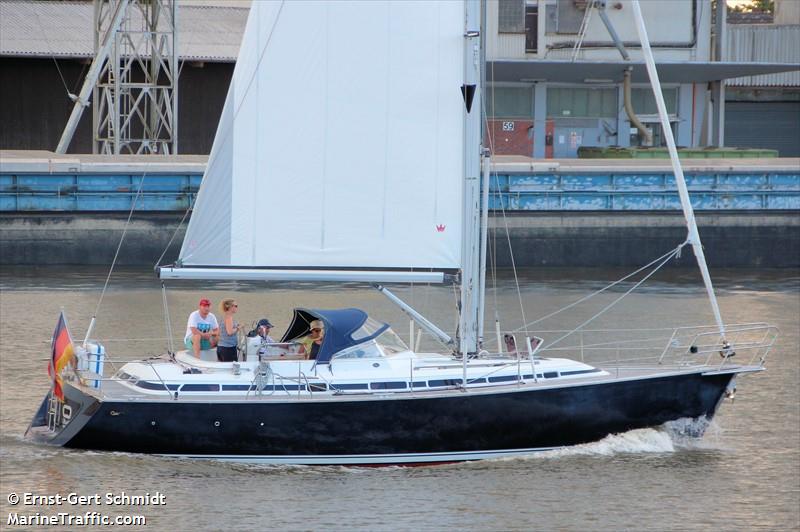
(340, 324)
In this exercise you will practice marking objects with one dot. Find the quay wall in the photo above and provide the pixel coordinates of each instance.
(72, 209)
(731, 239)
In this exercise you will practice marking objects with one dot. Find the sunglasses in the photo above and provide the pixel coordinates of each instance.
(316, 330)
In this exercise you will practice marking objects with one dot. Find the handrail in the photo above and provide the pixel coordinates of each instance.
(693, 346)
(164, 384)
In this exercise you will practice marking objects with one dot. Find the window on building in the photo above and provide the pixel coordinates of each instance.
(569, 102)
(509, 102)
(531, 28)
(657, 131)
(644, 103)
(511, 16)
(550, 18)
(570, 15)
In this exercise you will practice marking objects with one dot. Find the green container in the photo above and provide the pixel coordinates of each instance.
(616, 152)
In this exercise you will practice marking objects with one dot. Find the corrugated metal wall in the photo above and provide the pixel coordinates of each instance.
(773, 125)
(34, 107)
(764, 43)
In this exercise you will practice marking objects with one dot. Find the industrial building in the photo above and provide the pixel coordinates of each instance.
(764, 111)
(46, 48)
(556, 74)
(559, 84)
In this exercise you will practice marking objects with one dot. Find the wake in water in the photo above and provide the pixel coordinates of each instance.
(673, 436)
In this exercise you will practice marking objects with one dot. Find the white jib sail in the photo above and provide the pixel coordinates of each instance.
(341, 141)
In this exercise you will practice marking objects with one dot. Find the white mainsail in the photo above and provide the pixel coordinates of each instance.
(341, 142)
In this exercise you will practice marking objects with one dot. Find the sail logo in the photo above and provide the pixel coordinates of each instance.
(440, 228)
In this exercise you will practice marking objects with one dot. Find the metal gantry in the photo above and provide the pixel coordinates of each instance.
(133, 79)
(135, 96)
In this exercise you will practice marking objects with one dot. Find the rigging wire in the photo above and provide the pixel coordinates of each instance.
(618, 281)
(493, 253)
(43, 32)
(508, 236)
(116, 255)
(70, 95)
(587, 16)
(669, 257)
(174, 233)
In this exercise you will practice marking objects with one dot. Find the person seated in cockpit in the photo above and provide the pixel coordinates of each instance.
(263, 327)
(311, 342)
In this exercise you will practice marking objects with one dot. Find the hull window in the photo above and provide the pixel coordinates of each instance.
(444, 382)
(156, 385)
(350, 386)
(388, 386)
(200, 388)
(579, 372)
(503, 378)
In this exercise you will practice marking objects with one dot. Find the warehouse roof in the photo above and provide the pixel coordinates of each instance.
(65, 29)
(213, 33)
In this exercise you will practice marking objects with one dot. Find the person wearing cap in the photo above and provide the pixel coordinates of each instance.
(263, 327)
(313, 340)
(202, 329)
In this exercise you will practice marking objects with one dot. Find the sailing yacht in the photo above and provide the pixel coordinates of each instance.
(358, 147)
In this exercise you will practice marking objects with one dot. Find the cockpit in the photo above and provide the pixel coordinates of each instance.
(348, 334)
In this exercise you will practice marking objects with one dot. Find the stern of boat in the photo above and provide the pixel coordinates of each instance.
(57, 421)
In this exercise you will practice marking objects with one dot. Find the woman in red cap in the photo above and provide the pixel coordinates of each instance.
(202, 329)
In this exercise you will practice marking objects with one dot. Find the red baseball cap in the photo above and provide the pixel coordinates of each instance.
(204, 302)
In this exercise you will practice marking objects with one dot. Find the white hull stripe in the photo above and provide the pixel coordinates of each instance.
(364, 459)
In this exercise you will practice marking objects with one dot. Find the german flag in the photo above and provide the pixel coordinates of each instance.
(61, 355)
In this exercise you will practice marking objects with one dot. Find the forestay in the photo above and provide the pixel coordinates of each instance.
(340, 144)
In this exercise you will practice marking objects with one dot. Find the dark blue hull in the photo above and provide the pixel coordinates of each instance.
(521, 418)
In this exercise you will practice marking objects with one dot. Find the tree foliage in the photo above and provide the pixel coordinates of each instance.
(755, 6)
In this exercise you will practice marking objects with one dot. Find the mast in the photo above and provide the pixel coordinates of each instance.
(470, 272)
(485, 162)
(683, 192)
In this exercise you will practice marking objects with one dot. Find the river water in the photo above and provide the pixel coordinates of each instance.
(743, 475)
